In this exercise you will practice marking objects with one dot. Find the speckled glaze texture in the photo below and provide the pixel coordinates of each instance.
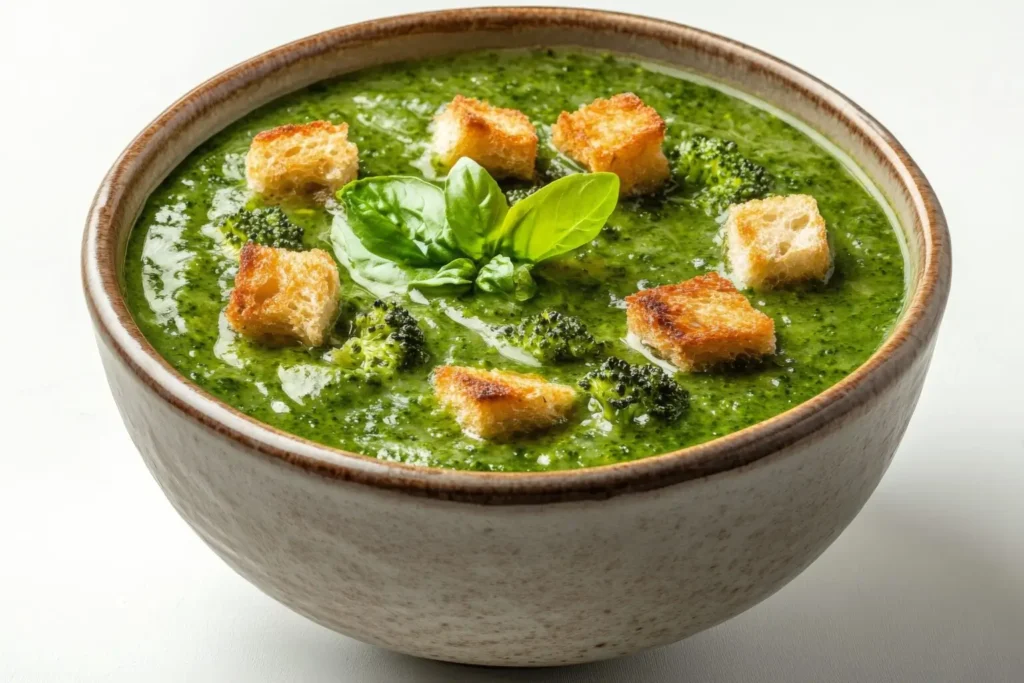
(517, 569)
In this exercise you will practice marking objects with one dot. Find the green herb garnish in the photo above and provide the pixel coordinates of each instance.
(403, 232)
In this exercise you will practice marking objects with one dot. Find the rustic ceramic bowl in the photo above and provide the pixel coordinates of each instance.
(517, 569)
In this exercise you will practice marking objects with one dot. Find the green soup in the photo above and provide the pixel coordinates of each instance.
(178, 278)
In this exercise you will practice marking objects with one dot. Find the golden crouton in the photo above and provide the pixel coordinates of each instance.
(501, 140)
(699, 323)
(282, 296)
(494, 404)
(777, 241)
(301, 160)
(621, 135)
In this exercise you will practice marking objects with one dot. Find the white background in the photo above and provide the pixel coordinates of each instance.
(99, 578)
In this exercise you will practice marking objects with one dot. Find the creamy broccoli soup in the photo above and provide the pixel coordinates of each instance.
(511, 305)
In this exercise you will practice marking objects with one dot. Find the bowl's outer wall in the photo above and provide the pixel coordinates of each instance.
(554, 581)
(526, 585)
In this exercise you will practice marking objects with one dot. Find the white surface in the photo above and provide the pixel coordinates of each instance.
(99, 578)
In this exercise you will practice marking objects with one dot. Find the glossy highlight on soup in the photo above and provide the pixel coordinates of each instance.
(180, 269)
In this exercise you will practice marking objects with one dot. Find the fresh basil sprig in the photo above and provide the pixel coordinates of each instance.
(475, 208)
(501, 276)
(399, 218)
(404, 232)
(454, 278)
(560, 217)
(379, 275)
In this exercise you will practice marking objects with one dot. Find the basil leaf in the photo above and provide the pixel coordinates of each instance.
(475, 208)
(501, 276)
(380, 276)
(454, 278)
(442, 248)
(560, 217)
(399, 218)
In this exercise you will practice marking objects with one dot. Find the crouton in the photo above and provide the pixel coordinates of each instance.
(297, 161)
(501, 140)
(284, 296)
(495, 404)
(700, 323)
(621, 135)
(777, 241)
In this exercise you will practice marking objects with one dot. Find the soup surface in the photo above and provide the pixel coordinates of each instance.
(178, 277)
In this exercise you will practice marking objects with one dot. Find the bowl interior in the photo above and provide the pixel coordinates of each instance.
(236, 92)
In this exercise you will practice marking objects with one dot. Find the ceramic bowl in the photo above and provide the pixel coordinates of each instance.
(517, 569)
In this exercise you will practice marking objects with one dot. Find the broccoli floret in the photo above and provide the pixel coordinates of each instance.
(385, 339)
(722, 174)
(267, 226)
(551, 336)
(635, 393)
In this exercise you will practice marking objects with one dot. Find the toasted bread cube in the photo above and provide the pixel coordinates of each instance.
(496, 404)
(295, 161)
(777, 241)
(501, 140)
(700, 323)
(284, 296)
(621, 135)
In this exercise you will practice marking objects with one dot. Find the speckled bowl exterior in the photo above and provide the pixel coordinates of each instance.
(517, 569)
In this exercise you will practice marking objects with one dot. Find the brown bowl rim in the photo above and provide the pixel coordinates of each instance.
(911, 336)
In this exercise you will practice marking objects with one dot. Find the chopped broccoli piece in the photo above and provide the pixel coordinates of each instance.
(720, 173)
(631, 393)
(552, 336)
(267, 226)
(385, 339)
